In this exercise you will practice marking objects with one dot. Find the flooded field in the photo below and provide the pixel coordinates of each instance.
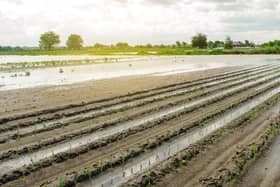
(44, 58)
(125, 66)
(201, 131)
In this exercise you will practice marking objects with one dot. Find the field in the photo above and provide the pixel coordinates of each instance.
(210, 128)
(147, 51)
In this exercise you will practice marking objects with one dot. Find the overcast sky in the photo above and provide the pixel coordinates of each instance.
(138, 21)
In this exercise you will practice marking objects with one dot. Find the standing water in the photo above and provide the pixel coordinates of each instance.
(147, 161)
(149, 65)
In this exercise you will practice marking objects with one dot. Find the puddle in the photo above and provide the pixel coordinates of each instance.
(73, 119)
(74, 143)
(146, 65)
(147, 161)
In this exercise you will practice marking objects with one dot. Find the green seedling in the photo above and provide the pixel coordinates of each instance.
(62, 182)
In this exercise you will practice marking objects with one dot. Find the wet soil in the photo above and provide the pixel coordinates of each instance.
(33, 99)
(217, 155)
(265, 172)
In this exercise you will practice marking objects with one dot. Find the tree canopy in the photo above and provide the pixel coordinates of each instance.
(122, 45)
(199, 41)
(74, 41)
(275, 43)
(228, 43)
(48, 40)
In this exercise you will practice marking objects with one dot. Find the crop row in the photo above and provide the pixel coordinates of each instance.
(75, 177)
(104, 105)
(75, 152)
(134, 95)
(155, 175)
(40, 64)
(31, 148)
(202, 93)
(245, 157)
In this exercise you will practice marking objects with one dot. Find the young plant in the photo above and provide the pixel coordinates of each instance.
(62, 182)
(76, 177)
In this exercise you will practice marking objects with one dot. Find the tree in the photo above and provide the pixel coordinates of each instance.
(211, 45)
(149, 46)
(184, 44)
(249, 44)
(48, 40)
(122, 45)
(275, 43)
(74, 41)
(228, 43)
(178, 44)
(100, 46)
(218, 44)
(199, 41)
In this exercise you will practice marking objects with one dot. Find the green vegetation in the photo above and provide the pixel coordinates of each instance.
(272, 44)
(228, 43)
(200, 45)
(122, 45)
(147, 51)
(199, 41)
(48, 40)
(74, 42)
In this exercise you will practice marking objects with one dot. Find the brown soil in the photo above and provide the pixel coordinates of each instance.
(95, 122)
(33, 99)
(21, 101)
(266, 171)
(120, 146)
(217, 155)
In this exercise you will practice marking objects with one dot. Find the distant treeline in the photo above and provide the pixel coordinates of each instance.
(9, 48)
(49, 41)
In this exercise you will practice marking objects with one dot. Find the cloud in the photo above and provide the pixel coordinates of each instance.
(253, 23)
(160, 2)
(16, 2)
(137, 21)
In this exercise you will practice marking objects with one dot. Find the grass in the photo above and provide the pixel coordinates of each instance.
(147, 51)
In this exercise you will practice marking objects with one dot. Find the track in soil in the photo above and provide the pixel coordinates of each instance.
(27, 140)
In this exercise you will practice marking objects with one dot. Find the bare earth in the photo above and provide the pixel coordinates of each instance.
(266, 171)
(216, 155)
(22, 135)
(32, 99)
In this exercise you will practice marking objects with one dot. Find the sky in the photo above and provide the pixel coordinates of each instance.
(138, 21)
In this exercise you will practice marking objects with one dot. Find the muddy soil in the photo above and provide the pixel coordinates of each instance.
(217, 155)
(33, 99)
(50, 97)
(122, 145)
(265, 172)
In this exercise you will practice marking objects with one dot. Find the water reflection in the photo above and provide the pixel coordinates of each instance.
(89, 115)
(156, 66)
(27, 159)
(140, 165)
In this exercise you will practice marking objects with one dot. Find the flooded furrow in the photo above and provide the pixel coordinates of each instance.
(41, 76)
(27, 159)
(139, 165)
(85, 116)
(141, 94)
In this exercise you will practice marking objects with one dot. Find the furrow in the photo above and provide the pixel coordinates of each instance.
(63, 147)
(24, 131)
(125, 98)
